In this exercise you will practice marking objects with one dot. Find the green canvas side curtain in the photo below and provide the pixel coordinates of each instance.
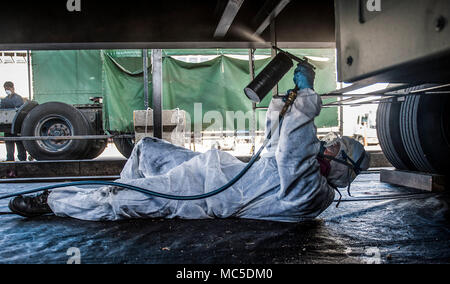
(205, 88)
(216, 84)
(67, 76)
(123, 90)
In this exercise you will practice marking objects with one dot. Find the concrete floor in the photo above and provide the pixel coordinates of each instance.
(397, 231)
(111, 152)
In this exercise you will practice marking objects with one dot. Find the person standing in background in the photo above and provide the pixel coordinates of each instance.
(13, 101)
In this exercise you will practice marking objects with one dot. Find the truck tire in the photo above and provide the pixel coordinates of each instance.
(125, 146)
(388, 129)
(55, 119)
(425, 132)
(95, 148)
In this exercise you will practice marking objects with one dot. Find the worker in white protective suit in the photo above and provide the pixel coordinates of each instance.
(288, 184)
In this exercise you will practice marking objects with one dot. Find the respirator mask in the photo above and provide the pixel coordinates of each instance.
(351, 159)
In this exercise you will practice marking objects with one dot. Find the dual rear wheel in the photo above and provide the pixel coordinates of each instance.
(415, 134)
(59, 119)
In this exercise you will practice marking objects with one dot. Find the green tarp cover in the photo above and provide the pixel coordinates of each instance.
(67, 76)
(216, 84)
(123, 90)
(202, 88)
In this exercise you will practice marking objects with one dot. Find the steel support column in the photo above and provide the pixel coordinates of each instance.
(145, 68)
(30, 85)
(254, 124)
(157, 93)
(273, 40)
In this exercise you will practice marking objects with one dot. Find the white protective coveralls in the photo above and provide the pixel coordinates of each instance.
(284, 185)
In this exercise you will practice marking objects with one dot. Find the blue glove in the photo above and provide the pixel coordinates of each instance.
(304, 77)
(289, 91)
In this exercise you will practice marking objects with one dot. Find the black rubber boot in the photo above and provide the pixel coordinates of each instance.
(29, 207)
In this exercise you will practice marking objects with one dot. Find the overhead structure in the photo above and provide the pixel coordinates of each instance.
(167, 24)
(406, 41)
(228, 17)
(271, 16)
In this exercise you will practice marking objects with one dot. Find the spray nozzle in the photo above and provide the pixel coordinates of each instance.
(301, 62)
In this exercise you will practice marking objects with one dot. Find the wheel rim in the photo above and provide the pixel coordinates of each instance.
(57, 126)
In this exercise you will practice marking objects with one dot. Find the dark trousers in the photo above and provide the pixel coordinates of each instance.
(10, 150)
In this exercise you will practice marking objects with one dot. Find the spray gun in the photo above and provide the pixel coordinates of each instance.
(271, 76)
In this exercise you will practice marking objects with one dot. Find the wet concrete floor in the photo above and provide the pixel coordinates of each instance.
(413, 230)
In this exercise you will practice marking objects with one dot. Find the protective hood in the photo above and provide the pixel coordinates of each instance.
(340, 175)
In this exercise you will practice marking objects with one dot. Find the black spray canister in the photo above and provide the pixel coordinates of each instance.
(269, 77)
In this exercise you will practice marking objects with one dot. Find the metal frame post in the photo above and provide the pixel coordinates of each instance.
(341, 119)
(341, 114)
(30, 85)
(157, 93)
(145, 69)
(253, 125)
(274, 42)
